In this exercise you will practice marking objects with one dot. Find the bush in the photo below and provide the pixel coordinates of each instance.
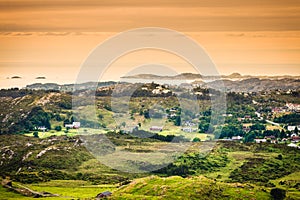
(57, 128)
(35, 134)
(278, 194)
(196, 139)
(279, 157)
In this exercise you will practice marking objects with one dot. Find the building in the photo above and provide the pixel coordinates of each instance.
(69, 125)
(42, 128)
(293, 128)
(189, 129)
(260, 140)
(295, 139)
(271, 139)
(293, 107)
(75, 125)
(237, 138)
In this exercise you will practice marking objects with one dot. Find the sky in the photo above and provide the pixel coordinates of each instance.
(53, 38)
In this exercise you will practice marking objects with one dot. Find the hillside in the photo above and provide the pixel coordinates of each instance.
(68, 87)
(199, 187)
(231, 168)
(56, 159)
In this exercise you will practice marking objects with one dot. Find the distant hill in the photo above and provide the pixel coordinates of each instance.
(68, 87)
(255, 84)
(234, 75)
(234, 82)
(187, 76)
(193, 76)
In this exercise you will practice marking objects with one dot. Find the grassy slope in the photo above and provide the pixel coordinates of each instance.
(66, 189)
(187, 188)
(93, 172)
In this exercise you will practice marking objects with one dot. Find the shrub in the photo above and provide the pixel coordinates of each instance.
(196, 139)
(278, 194)
(279, 157)
(57, 128)
(35, 134)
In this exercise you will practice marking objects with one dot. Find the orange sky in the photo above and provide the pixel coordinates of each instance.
(40, 38)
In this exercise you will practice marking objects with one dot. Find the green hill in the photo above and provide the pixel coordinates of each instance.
(175, 187)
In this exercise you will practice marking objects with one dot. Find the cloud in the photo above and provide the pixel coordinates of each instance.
(235, 34)
(54, 33)
(63, 4)
(106, 15)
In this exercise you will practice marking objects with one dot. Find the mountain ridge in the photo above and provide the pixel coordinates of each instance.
(189, 76)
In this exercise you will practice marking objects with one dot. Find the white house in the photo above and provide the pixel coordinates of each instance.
(69, 125)
(260, 140)
(292, 128)
(42, 128)
(73, 125)
(76, 124)
(237, 137)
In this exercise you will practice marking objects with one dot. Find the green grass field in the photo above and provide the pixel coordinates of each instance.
(66, 189)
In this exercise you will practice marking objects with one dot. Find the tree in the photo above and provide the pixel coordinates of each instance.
(146, 114)
(36, 134)
(231, 130)
(72, 119)
(100, 116)
(57, 128)
(203, 127)
(37, 118)
(177, 121)
(66, 121)
(123, 124)
(196, 139)
(282, 134)
(258, 126)
(249, 137)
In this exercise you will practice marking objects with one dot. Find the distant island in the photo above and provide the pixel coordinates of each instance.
(16, 77)
(195, 76)
(40, 77)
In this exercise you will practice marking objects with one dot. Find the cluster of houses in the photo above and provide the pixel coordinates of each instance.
(289, 107)
(246, 117)
(293, 140)
(272, 139)
(159, 90)
(189, 127)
